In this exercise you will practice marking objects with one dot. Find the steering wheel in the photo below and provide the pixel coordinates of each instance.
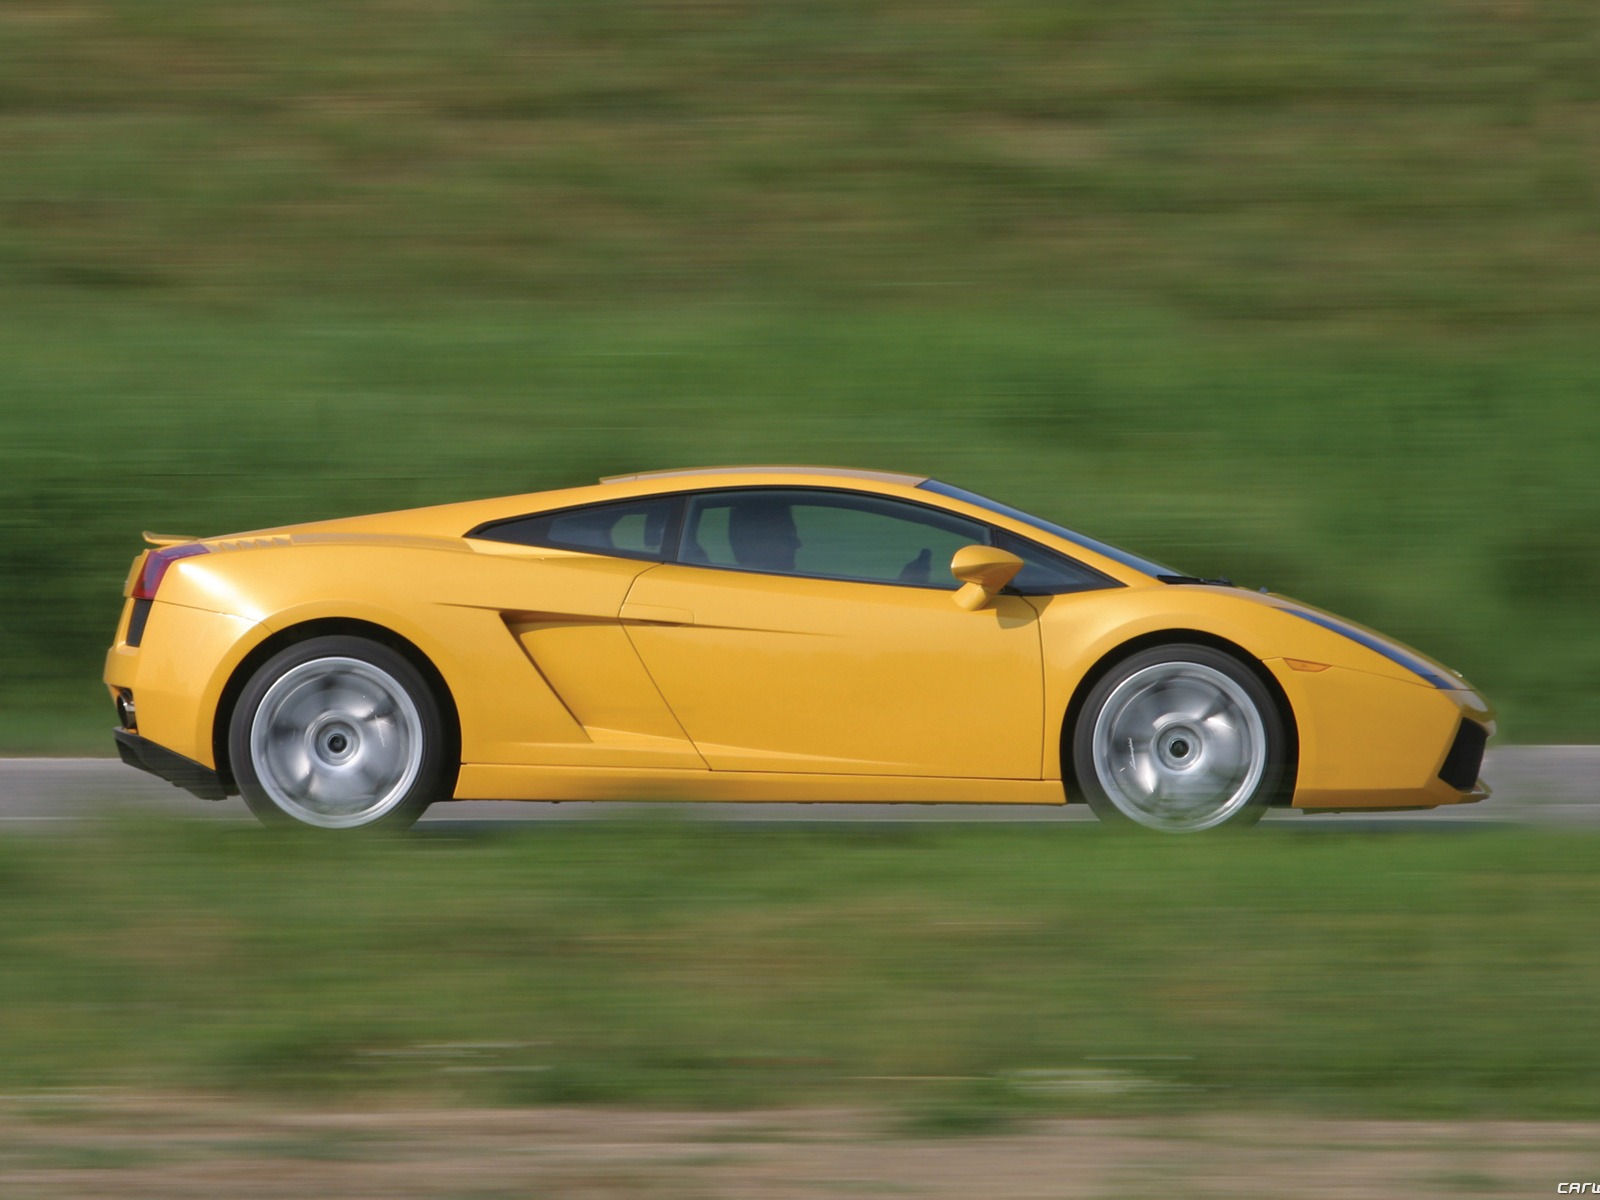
(917, 570)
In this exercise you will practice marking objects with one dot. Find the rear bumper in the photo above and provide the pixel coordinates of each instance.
(177, 770)
(178, 673)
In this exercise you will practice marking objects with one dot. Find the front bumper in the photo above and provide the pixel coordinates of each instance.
(177, 770)
(1370, 742)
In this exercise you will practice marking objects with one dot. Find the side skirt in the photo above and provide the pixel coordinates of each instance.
(483, 781)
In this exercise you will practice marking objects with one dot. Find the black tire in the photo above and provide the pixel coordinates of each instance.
(1146, 755)
(378, 769)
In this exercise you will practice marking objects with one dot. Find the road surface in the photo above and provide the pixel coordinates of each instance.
(1532, 784)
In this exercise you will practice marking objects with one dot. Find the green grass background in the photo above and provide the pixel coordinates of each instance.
(962, 974)
(1307, 295)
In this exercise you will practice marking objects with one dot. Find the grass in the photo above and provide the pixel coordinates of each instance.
(1229, 159)
(1444, 495)
(1303, 295)
(965, 975)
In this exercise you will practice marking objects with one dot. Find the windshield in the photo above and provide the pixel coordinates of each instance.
(1115, 554)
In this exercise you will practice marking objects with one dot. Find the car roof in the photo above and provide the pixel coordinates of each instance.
(452, 521)
(844, 472)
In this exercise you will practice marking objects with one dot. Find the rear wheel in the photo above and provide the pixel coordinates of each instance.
(338, 733)
(1180, 739)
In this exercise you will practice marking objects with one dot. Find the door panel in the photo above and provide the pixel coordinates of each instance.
(784, 673)
(595, 672)
(557, 680)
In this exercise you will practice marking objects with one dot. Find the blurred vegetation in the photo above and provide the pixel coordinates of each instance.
(965, 976)
(1304, 295)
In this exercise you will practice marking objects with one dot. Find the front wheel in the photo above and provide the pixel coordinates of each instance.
(1180, 739)
(338, 733)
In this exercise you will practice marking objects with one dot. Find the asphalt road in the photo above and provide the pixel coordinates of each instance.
(1532, 784)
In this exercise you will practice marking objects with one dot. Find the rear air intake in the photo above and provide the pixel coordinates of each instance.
(1462, 764)
(137, 620)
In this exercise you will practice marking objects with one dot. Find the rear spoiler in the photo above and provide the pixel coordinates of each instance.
(168, 539)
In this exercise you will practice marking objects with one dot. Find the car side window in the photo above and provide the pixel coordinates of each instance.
(826, 535)
(1046, 573)
(627, 529)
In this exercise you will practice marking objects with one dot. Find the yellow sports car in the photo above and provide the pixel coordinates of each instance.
(759, 633)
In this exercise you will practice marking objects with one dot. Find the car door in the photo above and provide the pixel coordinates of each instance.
(814, 630)
(570, 689)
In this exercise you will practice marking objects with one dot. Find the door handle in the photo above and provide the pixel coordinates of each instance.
(654, 614)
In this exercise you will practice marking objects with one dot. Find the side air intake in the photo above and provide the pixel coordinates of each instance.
(1465, 760)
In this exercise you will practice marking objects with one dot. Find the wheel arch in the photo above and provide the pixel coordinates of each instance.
(1174, 637)
(328, 627)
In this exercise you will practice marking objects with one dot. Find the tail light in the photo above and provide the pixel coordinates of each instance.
(156, 563)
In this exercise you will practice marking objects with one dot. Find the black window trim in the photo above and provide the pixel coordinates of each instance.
(669, 536)
(1098, 581)
(677, 522)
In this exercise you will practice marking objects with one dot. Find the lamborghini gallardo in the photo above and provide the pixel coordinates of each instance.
(759, 634)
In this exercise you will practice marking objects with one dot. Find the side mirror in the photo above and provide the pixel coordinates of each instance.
(983, 571)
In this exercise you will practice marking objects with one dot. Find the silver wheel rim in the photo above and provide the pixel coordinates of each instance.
(336, 742)
(1179, 747)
